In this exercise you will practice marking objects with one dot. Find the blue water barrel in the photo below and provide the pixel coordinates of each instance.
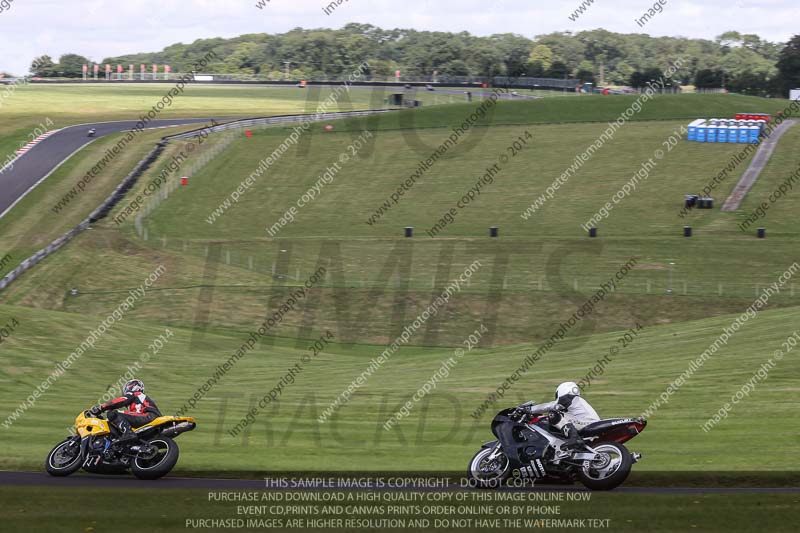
(733, 134)
(722, 134)
(711, 134)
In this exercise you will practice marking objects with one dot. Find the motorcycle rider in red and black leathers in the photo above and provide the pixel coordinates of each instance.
(141, 410)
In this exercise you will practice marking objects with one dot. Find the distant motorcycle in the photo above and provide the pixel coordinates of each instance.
(95, 448)
(92, 132)
(529, 448)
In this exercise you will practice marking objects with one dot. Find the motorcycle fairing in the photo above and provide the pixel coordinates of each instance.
(87, 426)
(614, 429)
(517, 438)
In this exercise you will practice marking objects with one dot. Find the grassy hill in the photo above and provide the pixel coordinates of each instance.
(536, 273)
(439, 434)
(224, 279)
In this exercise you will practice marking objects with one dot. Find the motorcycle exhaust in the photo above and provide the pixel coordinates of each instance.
(177, 429)
(636, 457)
(91, 460)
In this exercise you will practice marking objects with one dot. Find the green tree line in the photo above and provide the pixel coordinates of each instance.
(740, 62)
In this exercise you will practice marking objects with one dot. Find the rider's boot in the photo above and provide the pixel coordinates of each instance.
(574, 439)
(127, 432)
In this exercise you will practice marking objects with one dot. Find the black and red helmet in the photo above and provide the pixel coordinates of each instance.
(133, 386)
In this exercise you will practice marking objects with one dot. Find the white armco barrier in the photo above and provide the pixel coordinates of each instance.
(285, 119)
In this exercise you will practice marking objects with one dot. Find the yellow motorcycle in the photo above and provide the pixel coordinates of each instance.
(95, 448)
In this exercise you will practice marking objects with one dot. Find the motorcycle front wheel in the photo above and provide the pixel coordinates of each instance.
(65, 458)
(610, 470)
(487, 473)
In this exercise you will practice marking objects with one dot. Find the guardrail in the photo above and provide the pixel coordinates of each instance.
(465, 82)
(281, 119)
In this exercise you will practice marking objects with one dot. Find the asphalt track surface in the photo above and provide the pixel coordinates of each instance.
(756, 166)
(38, 162)
(80, 480)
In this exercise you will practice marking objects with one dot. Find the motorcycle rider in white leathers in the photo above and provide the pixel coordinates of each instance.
(575, 412)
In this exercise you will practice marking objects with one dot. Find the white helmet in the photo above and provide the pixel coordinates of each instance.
(567, 388)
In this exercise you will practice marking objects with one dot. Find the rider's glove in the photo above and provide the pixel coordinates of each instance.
(96, 410)
(559, 408)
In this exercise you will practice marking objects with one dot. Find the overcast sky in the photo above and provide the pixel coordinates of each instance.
(102, 28)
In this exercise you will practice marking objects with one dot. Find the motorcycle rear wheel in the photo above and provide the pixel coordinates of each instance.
(56, 467)
(160, 464)
(611, 472)
(488, 479)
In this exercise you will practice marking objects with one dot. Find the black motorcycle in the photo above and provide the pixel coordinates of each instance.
(529, 448)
